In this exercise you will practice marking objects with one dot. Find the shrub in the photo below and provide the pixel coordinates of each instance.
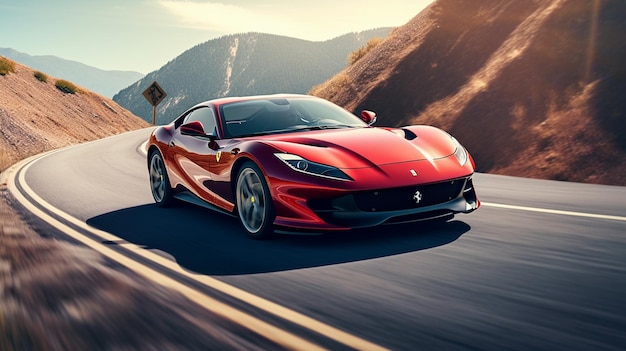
(6, 66)
(42, 77)
(359, 53)
(333, 86)
(66, 87)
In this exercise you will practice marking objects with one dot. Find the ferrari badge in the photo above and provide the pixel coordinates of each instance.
(417, 197)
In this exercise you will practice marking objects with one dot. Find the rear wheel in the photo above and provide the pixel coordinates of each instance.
(254, 203)
(159, 182)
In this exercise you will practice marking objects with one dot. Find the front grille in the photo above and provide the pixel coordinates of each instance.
(414, 196)
(393, 199)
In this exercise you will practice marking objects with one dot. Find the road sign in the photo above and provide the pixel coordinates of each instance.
(154, 94)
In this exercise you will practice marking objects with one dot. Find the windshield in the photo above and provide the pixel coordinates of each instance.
(282, 115)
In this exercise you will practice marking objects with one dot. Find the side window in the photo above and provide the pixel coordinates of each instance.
(205, 116)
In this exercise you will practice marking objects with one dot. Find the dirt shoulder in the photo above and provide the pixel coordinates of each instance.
(59, 296)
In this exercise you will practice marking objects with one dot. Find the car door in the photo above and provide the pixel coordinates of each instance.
(193, 156)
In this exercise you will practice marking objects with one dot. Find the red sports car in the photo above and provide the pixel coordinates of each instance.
(301, 163)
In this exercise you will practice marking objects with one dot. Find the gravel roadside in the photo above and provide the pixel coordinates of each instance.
(59, 296)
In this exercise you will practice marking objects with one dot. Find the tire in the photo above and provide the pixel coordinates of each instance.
(254, 202)
(159, 182)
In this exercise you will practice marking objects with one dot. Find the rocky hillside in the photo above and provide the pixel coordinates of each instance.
(35, 116)
(243, 64)
(532, 88)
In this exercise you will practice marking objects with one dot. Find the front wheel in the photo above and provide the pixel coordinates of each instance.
(254, 203)
(159, 182)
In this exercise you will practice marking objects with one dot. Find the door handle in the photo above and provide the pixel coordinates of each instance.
(172, 144)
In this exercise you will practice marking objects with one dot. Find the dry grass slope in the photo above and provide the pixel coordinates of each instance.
(36, 116)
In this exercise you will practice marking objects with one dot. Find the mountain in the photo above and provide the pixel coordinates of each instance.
(106, 83)
(36, 116)
(531, 88)
(243, 64)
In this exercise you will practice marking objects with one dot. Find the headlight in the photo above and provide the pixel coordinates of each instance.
(303, 165)
(460, 153)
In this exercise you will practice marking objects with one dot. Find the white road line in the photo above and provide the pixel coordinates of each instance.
(273, 333)
(144, 150)
(262, 328)
(558, 212)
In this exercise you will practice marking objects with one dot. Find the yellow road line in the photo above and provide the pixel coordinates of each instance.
(262, 328)
(277, 335)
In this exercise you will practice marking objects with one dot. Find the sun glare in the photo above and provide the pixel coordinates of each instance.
(591, 46)
(293, 19)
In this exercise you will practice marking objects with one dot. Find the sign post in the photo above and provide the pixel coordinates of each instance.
(154, 94)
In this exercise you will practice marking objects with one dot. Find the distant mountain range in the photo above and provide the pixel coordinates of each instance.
(243, 64)
(106, 83)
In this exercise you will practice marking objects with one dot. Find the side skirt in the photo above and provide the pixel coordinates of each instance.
(189, 197)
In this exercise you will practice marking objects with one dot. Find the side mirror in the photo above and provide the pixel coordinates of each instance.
(368, 117)
(194, 128)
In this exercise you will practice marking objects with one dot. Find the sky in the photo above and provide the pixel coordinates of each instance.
(143, 35)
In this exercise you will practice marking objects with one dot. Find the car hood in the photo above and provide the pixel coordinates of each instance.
(366, 147)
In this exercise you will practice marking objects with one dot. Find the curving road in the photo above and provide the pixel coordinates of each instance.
(541, 266)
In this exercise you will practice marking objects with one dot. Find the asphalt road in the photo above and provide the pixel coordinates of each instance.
(501, 278)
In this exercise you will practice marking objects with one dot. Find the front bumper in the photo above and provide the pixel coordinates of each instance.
(398, 205)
